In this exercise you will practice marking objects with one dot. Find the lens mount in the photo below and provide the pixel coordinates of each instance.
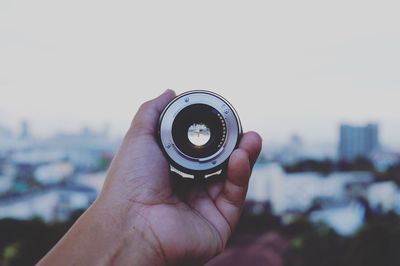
(198, 131)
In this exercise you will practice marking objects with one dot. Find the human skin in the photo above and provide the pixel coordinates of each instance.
(145, 215)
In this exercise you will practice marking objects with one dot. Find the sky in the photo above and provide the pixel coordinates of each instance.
(289, 67)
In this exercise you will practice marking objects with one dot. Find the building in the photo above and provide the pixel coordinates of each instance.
(358, 141)
(51, 205)
(53, 173)
(292, 152)
(298, 192)
(25, 132)
(383, 160)
(383, 196)
(345, 219)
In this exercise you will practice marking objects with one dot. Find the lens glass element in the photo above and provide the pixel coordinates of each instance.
(199, 130)
(199, 134)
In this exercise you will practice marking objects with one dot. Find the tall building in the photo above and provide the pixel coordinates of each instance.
(25, 133)
(358, 141)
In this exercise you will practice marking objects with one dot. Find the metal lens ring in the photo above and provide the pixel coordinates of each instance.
(198, 131)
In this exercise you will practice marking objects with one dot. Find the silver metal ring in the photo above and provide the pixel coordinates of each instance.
(224, 146)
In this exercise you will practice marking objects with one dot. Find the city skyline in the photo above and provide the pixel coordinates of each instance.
(292, 149)
(23, 130)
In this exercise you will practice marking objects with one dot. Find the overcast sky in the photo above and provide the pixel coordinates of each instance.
(287, 66)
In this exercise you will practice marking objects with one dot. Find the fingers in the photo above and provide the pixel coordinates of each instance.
(251, 142)
(146, 119)
(231, 199)
(229, 202)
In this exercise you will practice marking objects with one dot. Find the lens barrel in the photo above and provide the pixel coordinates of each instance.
(198, 131)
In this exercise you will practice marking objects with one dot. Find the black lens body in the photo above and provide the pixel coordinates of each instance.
(198, 131)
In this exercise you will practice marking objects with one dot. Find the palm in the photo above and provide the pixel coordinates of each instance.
(194, 228)
(186, 217)
(171, 203)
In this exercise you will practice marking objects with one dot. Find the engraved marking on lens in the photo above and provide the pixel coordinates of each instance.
(224, 130)
(199, 134)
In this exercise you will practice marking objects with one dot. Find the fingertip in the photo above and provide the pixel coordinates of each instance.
(164, 98)
(169, 92)
(252, 143)
(146, 118)
(256, 138)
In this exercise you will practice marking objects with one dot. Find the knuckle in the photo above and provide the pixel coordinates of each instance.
(145, 106)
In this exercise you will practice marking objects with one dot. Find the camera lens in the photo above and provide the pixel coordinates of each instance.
(198, 131)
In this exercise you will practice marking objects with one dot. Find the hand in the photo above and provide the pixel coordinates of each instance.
(155, 218)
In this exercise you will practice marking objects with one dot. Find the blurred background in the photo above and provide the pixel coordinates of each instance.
(318, 80)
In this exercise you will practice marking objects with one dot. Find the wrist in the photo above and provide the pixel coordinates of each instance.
(131, 239)
(104, 237)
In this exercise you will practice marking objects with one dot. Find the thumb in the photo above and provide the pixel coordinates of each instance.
(146, 118)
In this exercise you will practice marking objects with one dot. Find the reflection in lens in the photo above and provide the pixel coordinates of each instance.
(199, 134)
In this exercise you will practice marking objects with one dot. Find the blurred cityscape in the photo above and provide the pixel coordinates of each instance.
(52, 180)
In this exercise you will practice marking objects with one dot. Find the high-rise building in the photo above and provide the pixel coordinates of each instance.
(358, 141)
(25, 133)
